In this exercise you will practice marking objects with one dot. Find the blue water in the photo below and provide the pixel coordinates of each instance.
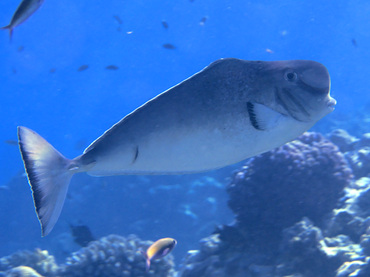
(71, 108)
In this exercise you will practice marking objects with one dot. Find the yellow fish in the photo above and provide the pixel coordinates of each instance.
(158, 250)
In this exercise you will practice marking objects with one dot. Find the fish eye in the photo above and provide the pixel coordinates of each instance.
(290, 76)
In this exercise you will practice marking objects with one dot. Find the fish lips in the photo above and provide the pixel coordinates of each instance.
(331, 104)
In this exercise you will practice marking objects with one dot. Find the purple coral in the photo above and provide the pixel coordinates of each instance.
(274, 190)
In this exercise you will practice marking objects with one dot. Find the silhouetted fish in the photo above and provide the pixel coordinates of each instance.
(25, 9)
(231, 110)
(81, 234)
(52, 70)
(354, 42)
(111, 67)
(164, 24)
(169, 46)
(203, 20)
(83, 67)
(116, 17)
(11, 142)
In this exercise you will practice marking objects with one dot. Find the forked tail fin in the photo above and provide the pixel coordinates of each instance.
(48, 172)
(10, 28)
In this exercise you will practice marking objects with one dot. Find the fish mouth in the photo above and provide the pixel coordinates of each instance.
(331, 103)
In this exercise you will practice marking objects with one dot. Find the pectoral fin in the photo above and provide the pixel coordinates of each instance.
(262, 117)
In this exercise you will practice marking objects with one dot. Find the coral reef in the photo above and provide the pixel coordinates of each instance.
(304, 250)
(309, 178)
(39, 260)
(356, 150)
(343, 140)
(115, 256)
(352, 218)
(359, 160)
(110, 256)
(215, 258)
(276, 189)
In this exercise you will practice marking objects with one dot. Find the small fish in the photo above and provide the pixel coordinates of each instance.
(20, 48)
(354, 42)
(116, 17)
(83, 67)
(11, 142)
(25, 9)
(231, 110)
(169, 46)
(52, 70)
(81, 234)
(268, 50)
(111, 67)
(203, 20)
(4, 188)
(158, 250)
(164, 24)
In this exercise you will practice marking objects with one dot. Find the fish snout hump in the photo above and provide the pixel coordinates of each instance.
(316, 75)
(303, 90)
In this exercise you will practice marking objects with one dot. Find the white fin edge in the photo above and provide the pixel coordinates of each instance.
(48, 175)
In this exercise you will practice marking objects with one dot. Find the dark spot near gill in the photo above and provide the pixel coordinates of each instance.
(136, 154)
(252, 116)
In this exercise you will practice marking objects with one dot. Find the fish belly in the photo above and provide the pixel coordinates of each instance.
(188, 150)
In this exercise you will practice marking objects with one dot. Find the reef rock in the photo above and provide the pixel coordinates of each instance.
(38, 260)
(359, 160)
(356, 150)
(305, 177)
(343, 140)
(352, 218)
(304, 250)
(216, 259)
(115, 256)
